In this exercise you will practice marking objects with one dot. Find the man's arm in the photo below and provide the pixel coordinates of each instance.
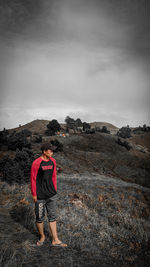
(54, 176)
(33, 176)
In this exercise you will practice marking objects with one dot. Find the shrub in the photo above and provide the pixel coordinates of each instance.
(124, 132)
(3, 138)
(124, 143)
(141, 129)
(86, 126)
(90, 131)
(17, 170)
(25, 133)
(58, 145)
(104, 130)
(17, 142)
(97, 129)
(37, 139)
(53, 127)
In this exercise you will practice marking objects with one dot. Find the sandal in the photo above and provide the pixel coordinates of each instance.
(59, 245)
(40, 243)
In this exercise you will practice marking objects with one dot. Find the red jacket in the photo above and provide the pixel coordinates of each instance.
(43, 178)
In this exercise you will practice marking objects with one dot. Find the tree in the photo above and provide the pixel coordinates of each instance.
(104, 129)
(124, 132)
(78, 123)
(86, 126)
(71, 123)
(53, 127)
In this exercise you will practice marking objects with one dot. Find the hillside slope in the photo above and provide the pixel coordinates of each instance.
(100, 153)
(141, 139)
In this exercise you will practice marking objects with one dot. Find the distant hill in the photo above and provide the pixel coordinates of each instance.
(36, 126)
(39, 126)
(113, 129)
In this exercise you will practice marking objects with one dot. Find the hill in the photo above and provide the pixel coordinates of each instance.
(99, 152)
(113, 129)
(36, 126)
(39, 126)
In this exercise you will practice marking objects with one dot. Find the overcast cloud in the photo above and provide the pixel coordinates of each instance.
(87, 59)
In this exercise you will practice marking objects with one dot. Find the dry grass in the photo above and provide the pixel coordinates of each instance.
(104, 221)
(141, 139)
(101, 154)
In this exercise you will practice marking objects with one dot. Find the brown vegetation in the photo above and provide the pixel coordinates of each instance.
(104, 221)
(141, 139)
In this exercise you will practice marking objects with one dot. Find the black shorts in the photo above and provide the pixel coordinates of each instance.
(50, 205)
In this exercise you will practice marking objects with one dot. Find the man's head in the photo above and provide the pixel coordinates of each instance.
(48, 149)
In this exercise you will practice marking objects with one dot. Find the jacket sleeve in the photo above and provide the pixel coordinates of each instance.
(54, 175)
(33, 176)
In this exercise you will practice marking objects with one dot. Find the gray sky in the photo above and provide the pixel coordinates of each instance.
(85, 58)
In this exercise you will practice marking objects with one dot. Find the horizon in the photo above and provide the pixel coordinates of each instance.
(119, 125)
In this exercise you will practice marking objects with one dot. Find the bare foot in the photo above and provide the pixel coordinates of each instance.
(41, 241)
(58, 243)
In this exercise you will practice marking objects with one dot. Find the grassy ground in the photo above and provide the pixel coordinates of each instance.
(101, 154)
(103, 207)
(105, 222)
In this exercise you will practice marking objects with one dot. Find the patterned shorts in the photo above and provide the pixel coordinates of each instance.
(50, 205)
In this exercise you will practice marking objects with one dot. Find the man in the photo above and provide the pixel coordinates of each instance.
(44, 191)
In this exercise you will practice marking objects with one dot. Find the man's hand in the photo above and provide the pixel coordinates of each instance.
(35, 198)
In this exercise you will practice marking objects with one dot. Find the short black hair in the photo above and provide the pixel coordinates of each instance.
(47, 146)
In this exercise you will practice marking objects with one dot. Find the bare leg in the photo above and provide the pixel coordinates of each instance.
(50, 230)
(55, 239)
(41, 231)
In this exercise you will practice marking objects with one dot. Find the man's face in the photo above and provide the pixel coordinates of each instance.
(48, 153)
